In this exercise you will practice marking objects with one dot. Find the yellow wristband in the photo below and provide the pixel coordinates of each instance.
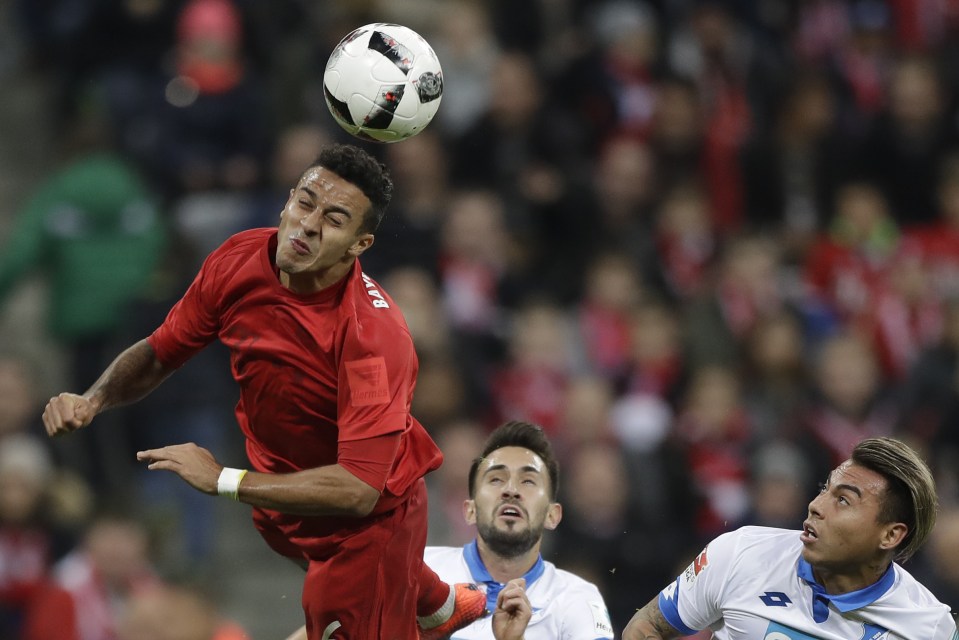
(228, 484)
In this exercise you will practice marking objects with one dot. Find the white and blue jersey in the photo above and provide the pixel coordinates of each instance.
(753, 583)
(565, 607)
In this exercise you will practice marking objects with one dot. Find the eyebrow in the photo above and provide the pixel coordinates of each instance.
(528, 468)
(850, 487)
(331, 208)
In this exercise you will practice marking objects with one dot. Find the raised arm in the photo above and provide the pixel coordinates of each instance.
(649, 624)
(131, 376)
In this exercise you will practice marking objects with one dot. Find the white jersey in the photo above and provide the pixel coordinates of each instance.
(565, 607)
(753, 583)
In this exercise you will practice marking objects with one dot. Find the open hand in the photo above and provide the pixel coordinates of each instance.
(191, 462)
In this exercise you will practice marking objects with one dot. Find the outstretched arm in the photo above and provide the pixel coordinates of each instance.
(649, 624)
(323, 491)
(131, 376)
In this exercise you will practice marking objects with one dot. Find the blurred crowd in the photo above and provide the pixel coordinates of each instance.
(707, 245)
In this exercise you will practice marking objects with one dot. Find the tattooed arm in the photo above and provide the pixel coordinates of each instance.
(649, 624)
(134, 374)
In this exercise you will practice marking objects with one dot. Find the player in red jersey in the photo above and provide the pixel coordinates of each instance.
(326, 369)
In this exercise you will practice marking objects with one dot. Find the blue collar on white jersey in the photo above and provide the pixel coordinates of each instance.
(481, 574)
(845, 601)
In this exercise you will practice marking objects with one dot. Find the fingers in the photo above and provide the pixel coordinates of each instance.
(513, 596)
(65, 413)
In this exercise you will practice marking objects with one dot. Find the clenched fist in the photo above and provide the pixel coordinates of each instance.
(68, 412)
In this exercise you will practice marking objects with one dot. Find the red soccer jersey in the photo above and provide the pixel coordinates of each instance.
(314, 371)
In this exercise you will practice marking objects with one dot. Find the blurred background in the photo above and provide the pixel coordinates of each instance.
(707, 245)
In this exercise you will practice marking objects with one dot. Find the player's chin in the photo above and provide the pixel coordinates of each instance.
(809, 554)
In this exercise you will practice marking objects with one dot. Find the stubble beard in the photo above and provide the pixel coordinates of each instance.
(509, 544)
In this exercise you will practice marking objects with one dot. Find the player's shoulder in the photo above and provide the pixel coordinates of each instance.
(569, 584)
(754, 535)
(438, 554)
(448, 563)
(369, 304)
(908, 588)
(754, 546)
(242, 245)
(248, 238)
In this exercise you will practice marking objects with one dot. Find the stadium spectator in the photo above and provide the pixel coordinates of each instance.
(175, 612)
(93, 228)
(102, 574)
(848, 402)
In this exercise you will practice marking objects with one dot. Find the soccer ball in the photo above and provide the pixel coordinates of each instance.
(383, 82)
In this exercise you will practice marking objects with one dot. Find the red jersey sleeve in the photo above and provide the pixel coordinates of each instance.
(194, 321)
(376, 377)
(371, 459)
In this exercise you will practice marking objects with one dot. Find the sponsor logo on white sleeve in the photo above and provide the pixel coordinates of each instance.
(601, 622)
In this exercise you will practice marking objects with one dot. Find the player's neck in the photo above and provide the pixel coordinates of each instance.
(845, 580)
(503, 569)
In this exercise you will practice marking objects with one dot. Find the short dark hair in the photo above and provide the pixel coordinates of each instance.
(527, 436)
(358, 167)
(910, 495)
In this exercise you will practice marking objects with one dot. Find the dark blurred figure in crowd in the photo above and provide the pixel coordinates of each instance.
(94, 229)
(201, 123)
(848, 401)
(903, 151)
(775, 375)
(790, 171)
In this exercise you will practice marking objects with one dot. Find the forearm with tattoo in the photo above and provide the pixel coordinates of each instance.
(131, 376)
(650, 624)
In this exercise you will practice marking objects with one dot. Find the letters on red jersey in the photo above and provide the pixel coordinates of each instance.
(368, 381)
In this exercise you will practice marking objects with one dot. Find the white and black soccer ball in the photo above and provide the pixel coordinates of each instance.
(383, 82)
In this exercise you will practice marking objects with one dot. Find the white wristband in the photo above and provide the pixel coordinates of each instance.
(228, 484)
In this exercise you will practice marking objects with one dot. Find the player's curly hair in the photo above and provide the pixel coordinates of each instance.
(527, 436)
(358, 167)
(910, 495)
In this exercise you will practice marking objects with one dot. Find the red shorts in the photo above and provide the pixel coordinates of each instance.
(364, 588)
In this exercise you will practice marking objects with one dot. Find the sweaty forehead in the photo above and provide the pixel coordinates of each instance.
(849, 473)
(514, 458)
(318, 177)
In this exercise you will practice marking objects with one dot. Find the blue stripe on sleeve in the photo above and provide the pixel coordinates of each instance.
(670, 609)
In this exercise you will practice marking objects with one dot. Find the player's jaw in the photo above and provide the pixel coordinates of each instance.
(508, 530)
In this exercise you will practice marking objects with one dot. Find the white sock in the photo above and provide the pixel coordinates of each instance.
(441, 615)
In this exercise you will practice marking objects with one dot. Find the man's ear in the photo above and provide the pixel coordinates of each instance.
(469, 511)
(892, 535)
(362, 243)
(553, 515)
